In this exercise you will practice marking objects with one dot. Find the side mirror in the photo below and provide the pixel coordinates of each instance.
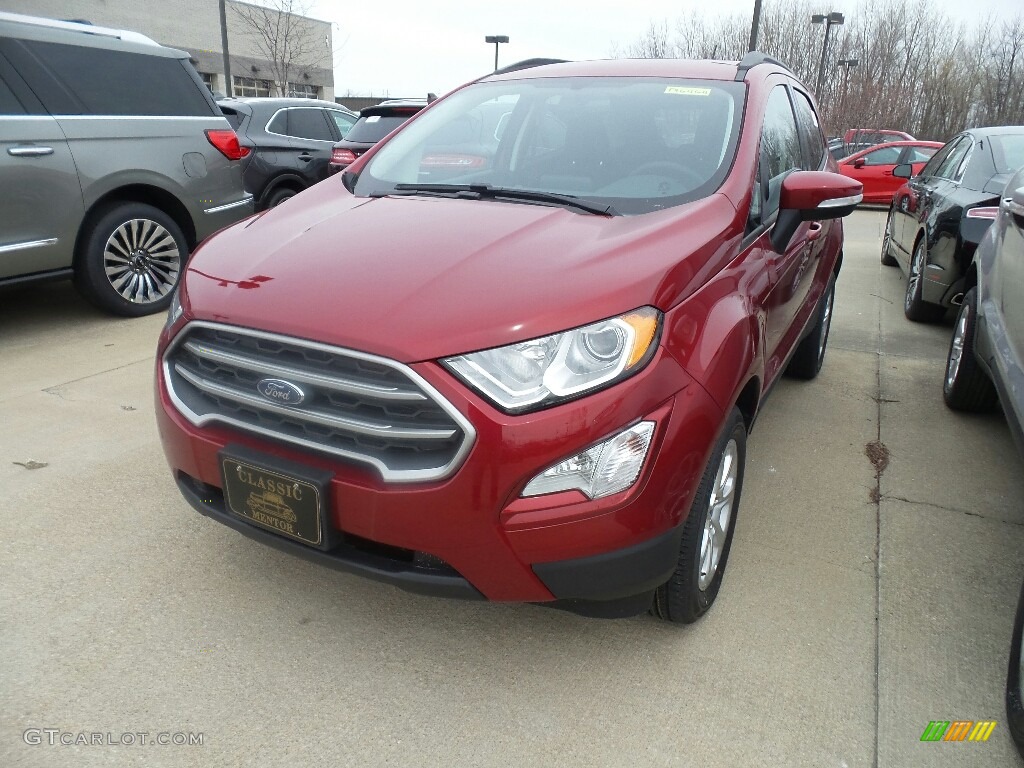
(858, 163)
(813, 196)
(350, 175)
(1015, 202)
(904, 171)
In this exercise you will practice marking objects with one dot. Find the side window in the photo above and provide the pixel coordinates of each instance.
(9, 104)
(810, 130)
(948, 168)
(97, 81)
(305, 123)
(937, 159)
(279, 124)
(780, 149)
(343, 121)
(886, 156)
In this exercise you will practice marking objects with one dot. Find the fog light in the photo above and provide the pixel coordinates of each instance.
(601, 470)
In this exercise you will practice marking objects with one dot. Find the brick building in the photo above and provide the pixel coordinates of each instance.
(194, 26)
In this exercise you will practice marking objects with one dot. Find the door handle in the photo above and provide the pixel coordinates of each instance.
(29, 151)
(305, 156)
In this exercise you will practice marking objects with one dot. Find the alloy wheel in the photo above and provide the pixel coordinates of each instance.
(956, 347)
(826, 322)
(142, 260)
(915, 276)
(719, 514)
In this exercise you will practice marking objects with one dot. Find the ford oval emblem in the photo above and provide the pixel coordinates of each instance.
(280, 391)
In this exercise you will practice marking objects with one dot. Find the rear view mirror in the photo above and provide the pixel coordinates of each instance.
(858, 163)
(813, 196)
(904, 171)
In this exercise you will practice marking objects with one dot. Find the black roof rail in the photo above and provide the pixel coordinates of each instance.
(754, 58)
(524, 64)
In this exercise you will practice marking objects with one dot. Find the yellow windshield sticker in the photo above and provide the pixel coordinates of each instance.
(688, 91)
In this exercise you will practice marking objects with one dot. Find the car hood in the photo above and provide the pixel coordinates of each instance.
(418, 278)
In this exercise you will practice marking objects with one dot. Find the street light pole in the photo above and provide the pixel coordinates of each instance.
(830, 19)
(846, 64)
(497, 40)
(228, 84)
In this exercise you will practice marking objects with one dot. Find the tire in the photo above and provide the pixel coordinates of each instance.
(810, 352)
(915, 307)
(131, 259)
(279, 195)
(966, 387)
(888, 260)
(692, 589)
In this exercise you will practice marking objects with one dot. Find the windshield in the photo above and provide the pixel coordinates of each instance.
(632, 144)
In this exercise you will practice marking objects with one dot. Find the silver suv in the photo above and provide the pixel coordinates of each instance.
(114, 162)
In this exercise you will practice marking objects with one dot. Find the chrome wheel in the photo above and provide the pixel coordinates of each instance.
(826, 321)
(915, 276)
(719, 514)
(956, 347)
(142, 260)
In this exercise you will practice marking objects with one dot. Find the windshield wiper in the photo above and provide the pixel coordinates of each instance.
(486, 191)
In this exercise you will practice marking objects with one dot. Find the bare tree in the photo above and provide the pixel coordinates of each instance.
(918, 70)
(281, 31)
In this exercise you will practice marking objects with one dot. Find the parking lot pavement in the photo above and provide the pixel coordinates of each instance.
(856, 609)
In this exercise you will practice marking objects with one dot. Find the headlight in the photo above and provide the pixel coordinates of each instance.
(541, 372)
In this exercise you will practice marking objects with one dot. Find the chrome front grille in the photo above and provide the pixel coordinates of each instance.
(360, 407)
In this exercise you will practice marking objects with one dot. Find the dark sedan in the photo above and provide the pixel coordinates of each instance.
(374, 124)
(952, 203)
(290, 142)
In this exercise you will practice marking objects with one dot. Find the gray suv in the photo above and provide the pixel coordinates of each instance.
(114, 162)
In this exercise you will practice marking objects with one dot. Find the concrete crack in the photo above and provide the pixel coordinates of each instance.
(955, 510)
(878, 455)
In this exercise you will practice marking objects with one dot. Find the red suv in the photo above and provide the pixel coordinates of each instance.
(529, 377)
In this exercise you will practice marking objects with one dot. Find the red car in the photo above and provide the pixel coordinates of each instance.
(531, 380)
(873, 167)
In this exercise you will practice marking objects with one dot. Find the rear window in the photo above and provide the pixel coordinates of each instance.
(233, 117)
(375, 127)
(1008, 152)
(97, 81)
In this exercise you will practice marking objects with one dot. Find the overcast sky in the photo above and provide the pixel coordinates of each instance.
(409, 47)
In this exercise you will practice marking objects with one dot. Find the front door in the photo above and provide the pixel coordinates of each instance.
(40, 197)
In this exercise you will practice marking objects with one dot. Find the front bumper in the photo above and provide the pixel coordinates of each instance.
(471, 535)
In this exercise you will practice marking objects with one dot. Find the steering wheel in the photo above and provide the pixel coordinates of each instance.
(671, 169)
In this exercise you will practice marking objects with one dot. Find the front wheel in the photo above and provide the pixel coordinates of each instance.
(966, 387)
(707, 532)
(131, 259)
(810, 353)
(914, 306)
(888, 260)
